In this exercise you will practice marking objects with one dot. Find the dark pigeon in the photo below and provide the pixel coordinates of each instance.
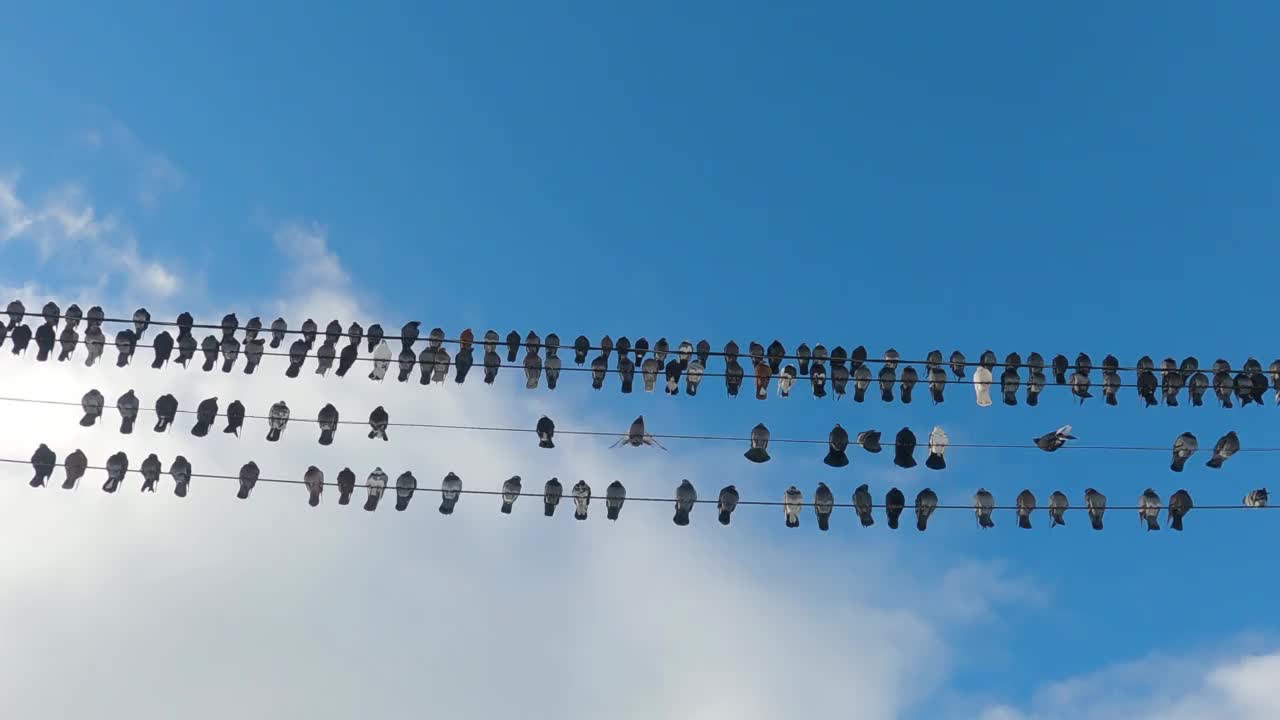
(837, 443)
(92, 403)
(328, 420)
(181, 472)
(909, 379)
(513, 345)
(957, 364)
(926, 503)
(1060, 366)
(346, 485)
(406, 484)
(861, 381)
(206, 415)
(248, 479)
(74, 467)
(166, 412)
(894, 502)
(546, 430)
(69, 339)
(117, 467)
(551, 494)
(235, 418)
(43, 461)
(163, 346)
(869, 440)
(759, 451)
(1226, 446)
(375, 335)
(127, 405)
(378, 421)
(802, 354)
(150, 470)
(727, 503)
(862, 505)
(904, 447)
(210, 347)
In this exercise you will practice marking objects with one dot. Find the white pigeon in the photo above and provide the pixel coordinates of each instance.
(792, 501)
(982, 386)
(381, 361)
(937, 448)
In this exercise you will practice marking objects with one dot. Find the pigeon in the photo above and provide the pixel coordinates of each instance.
(1012, 361)
(1035, 385)
(1051, 441)
(405, 363)
(862, 505)
(50, 313)
(346, 485)
(933, 361)
(858, 357)
(775, 352)
(465, 359)
(68, 340)
(823, 503)
(45, 340)
(378, 421)
(21, 336)
(377, 484)
(95, 343)
(1222, 387)
(1026, 505)
(837, 442)
(532, 370)
(328, 421)
(513, 345)
(627, 374)
(983, 503)
(186, 349)
(1255, 499)
(987, 360)
(96, 316)
(894, 502)
(636, 435)
(126, 343)
(450, 491)
(426, 364)
(869, 440)
(150, 471)
(1259, 385)
(937, 448)
(1057, 508)
(510, 493)
(1274, 370)
(409, 335)
(313, 478)
(127, 404)
(803, 355)
(230, 323)
(166, 412)
(792, 501)
(926, 503)
(761, 372)
(1226, 446)
(490, 341)
(181, 472)
(74, 466)
(163, 346)
(759, 452)
(141, 321)
(1179, 505)
(1147, 385)
(1184, 446)
(599, 367)
(786, 380)
(622, 346)
(904, 446)
(1059, 366)
(435, 339)
(230, 348)
(727, 503)
(982, 386)
(1080, 386)
(381, 361)
(278, 328)
(909, 379)
(210, 347)
(374, 337)
(16, 311)
(641, 347)
(838, 356)
(733, 374)
(277, 419)
(1149, 509)
(206, 415)
(92, 404)
(73, 316)
(581, 499)
(818, 379)
(1243, 385)
(614, 496)
(693, 378)
(756, 352)
(406, 484)
(552, 369)
(1110, 387)
(887, 378)
(254, 326)
(819, 354)
(703, 350)
(551, 494)
(649, 373)
(117, 466)
(43, 461)
(660, 349)
(1171, 385)
(958, 363)
(1009, 382)
(1096, 503)
(492, 362)
(674, 368)
(346, 358)
(580, 348)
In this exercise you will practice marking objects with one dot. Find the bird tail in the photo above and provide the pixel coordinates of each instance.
(757, 455)
(155, 364)
(597, 384)
(824, 522)
(42, 354)
(1033, 399)
(1110, 399)
(64, 355)
(548, 509)
(243, 493)
(936, 394)
(548, 444)
(1153, 523)
(906, 396)
(232, 429)
(126, 426)
(208, 367)
(1060, 377)
(344, 497)
(1096, 522)
(314, 499)
(893, 522)
(724, 517)
(275, 343)
(446, 506)
(373, 434)
(200, 430)
(227, 364)
(273, 434)
(793, 522)
(1215, 462)
(372, 503)
(905, 462)
(1010, 399)
(836, 458)
(37, 481)
(1024, 522)
(69, 484)
(148, 486)
(1198, 400)
(867, 519)
(579, 515)
(986, 522)
(506, 508)
(402, 503)
(1175, 523)
(922, 522)
(859, 394)
(1056, 520)
(121, 359)
(681, 518)
(1171, 400)
(935, 462)
(1177, 464)
(326, 437)
(88, 420)
(886, 395)
(180, 490)
(612, 513)
(292, 372)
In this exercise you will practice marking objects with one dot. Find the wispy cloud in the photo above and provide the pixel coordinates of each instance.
(155, 173)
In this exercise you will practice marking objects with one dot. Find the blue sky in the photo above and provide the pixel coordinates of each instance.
(1008, 177)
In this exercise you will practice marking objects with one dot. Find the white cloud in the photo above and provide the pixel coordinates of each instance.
(155, 173)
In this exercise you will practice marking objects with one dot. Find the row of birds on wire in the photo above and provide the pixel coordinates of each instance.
(838, 440)
(44, 461)
(848, 369)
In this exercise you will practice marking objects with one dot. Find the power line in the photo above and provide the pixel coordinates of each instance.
(661, 436)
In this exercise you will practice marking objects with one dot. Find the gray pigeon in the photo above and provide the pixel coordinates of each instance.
(1009, 383)
(552, 369)
(278, 328)
(127, 404)
(95, 343)
(491, 364)
(230, 348)
(163, 347)
(727, 503)
(277, 419)
(937, 384)
(532, 370)
(649, 374)
(1171, 383)
(1179, 505)
(126, 343)
(95, 317)
(926, 503)
(581, 499)
(862, 505)
(733, 374)
(409, 335)
(983, 504)
(210, 348)
(1035, 385)
(1197, 385)
(759, 451)
(510, 493)
(1255, 499)
(1222, 388)
(325, 356)
(894, 502)
(206, 416)
(73, 316)
(450, 491)
(17, 311)
(50, 312)
(626, 374)
(92, 404)
(887, 379)
(166, 412)
(987, 359)
(703, 350)
(686, 498)
(1057, 508)
(1149, 509)
(909, 379)
(440, 367)
(693, 378)
(1184, 446)
(43, 461)
(1226, 446)
(599, 368)
(405, 362)
(74, 466)
(346, 485)
(1110, 387)
(1096, 503)
(614, 496)
(377, 484)
(636, 436)
(792, 501)
(861, 381)
(68, 340)
(1080, 386)
(1060, 365)
(436, 337)
(839, 380)
(551, 494)
(186, 349)
(660, 349)
(381, 361)
(253, 350)
(378, 421)
(426, 364)
(837, 442)
(254, 326)
(823, 503)
(313, 479)
(181, 472)
(406, 484)
(117, 466)
(1051, 441)
(1026, 505)
(958, 364)
(869, 440)
(46, 338)
(328, 420)
(150, 471)
(546, 429)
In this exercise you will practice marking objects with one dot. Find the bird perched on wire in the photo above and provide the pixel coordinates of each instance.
(904, 447)
(406, 484)
(759, 451)
(378, 422)
(46, 338)
(328, 421)
(463, 361)
(614, 496)
(599, 368)
(1057, 508)
(1179, 505)
(513, 345)
(346, 358)
(1256, 498)
(937, 378)
(1149, 509)
(230, 349)
(1184, 446)
(580, 348)
(957, 363)
(346, 485)
(673, 370)
(278, 328)
(127, 404)
(869, 440)
(626, 374)
(95, 344)
(581, 499)
(862, 505)
(166, 412)
(235, 418)
(313, 479)
(1051, 441)
(546, 430)
(823, 503)
(887, 378)
(450, 491)
(1009, 383)
(818, 379)
(837, 442)
(92, 403)
(117, 467)
(649, 373)
(636, 436)
(551, 494)
(377, 484)
(983, 504)
(908, 382)
(1035, 385)
(68, 340)
(938, 442)
(693, 378)
(1026, 504)
(1059, 366)
(861, 381)
(1226, 446)
(552, 368)
(686, 499)
(532, 370)
(894, 502)
(381, 361)
(180, 470)
(126, 343)
(1096, 504)
(206, 416)
(43, 461)
(926, 503)
(277, 419)
(727, 503)
(982, 386)
(792, 501)
(74, 466)
(510, 493)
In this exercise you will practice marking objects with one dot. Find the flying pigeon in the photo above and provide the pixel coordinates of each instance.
(92, 404)
(68, 340)
(406, 484)
(727, 503)
(733, 374)
(75, 466)
(1184, 446)
(887, 379)
(982, 386)
(1149, 509)
(926, 503)
(1026, 505)
(95, 343)
(210, 347)
(1051, 441)
(117, 466)
(599, 367)
(1226, 446)
(894, 502)
(1096, 503)
(313, 479)
(761, 372)
(346, 485)
(1179, 505)
(987, 360)
(837, 442)
(450, 491)
(983, 503)
(43, 461)
(581, 499)
(869, 440)
(627, 374)
(45, 340)
(377, 484)
(206, 415)
(674, 368)
(405, 363)
(166, 412)
(614, 496)
(1035, 385)
(374, 337)
(126, 342)
(328, 420)
(904, 446)
(409, 335)
(792, 501)
(163, 346)
(381, 361)
(181, 472)
(551, 494)
(1057, 508)
(957, 363)
(552, 369)
(186, 349)
(491, 364)
(1255, 499)
(693, 378)
(823, 503)
(513, 345)
(818, 379)
(759, 451)
(510, 493)
(465, 359)
(532, 370)
(378, 421)
(277, 419)
(150, 470)
(862, 505)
